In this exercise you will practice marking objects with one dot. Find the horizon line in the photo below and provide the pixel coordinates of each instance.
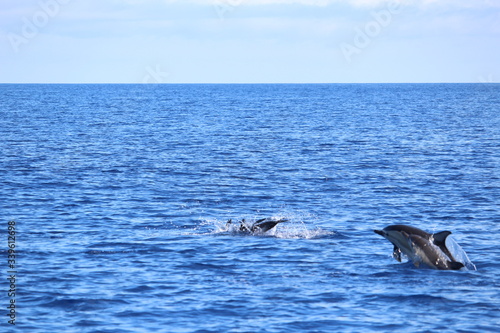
(235, 83)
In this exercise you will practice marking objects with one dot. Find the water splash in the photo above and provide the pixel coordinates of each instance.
(294, 228)
(300, 230)
(459, 254)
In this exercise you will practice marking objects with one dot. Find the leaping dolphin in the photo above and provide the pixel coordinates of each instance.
(259, 226)
(420, 246)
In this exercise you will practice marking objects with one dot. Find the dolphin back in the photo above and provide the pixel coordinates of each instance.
(264, 225)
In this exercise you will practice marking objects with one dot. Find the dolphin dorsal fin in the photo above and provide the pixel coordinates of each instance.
(440, 237)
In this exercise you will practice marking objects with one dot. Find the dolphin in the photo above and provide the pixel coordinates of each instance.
(420, 246)
(259, 226)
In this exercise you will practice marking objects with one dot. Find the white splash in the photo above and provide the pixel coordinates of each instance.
(459, 254)
(294, 228)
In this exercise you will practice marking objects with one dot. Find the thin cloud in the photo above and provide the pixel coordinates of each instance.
(356, 3)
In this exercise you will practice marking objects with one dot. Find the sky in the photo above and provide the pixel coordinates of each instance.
(249, 41)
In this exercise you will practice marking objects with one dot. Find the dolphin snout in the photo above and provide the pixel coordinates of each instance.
(379, 232)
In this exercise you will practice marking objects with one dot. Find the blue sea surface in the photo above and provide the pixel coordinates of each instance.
(121, 193)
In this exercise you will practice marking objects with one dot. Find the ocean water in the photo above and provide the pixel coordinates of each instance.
(120, 196)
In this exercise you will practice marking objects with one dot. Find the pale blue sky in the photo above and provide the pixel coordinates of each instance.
(249, 41)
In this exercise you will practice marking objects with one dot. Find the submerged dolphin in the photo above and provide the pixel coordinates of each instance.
(259, 226)
(420, 246)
